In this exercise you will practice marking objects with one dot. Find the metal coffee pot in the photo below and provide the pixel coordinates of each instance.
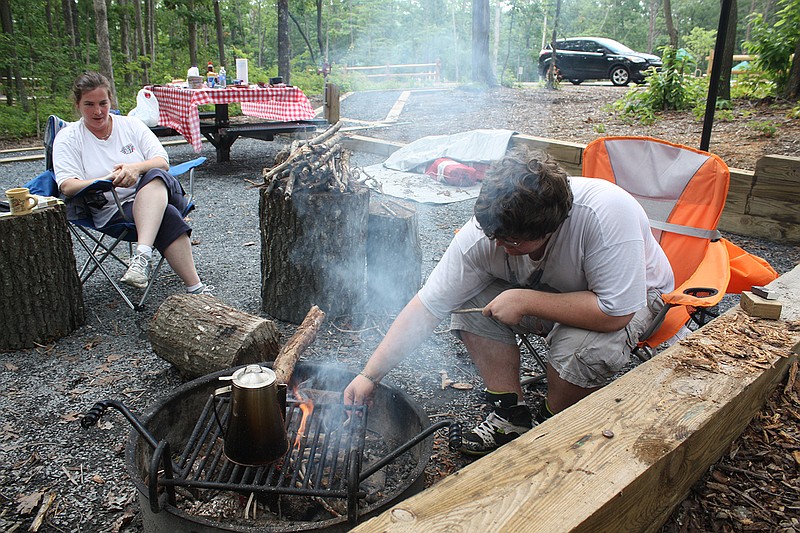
(256, 434)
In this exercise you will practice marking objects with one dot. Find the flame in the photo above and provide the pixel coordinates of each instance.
(306, 407)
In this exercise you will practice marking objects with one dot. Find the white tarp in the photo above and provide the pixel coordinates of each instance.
(396, 178)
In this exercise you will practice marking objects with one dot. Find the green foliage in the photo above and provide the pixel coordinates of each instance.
(753, 84)
(794, 112)
(765, 128)
(17, 124)
(700, 42)
(600, 128)
(774, 42)
(668, 89)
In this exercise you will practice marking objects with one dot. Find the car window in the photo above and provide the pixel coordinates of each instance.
(567, 45)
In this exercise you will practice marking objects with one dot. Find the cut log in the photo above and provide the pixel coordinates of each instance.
(394, 256)
(42, 297)
(294, 348)
(199, 334)
(313, 252)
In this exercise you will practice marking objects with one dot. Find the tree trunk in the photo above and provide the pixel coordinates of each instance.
(394, 256)
(125, 38)
(151, 35)
(724, 92)
(320, 41)
(651, 27)
(13, 71)
(42, 298)
(220, 35)
(192, 28)
(8, 29)
(199, 335)
(104, 47)
(69, 27)
(792, 91)
(671, 31)
(482, 72)
(313, 252)
(284, 45)
(552, 72)
(139, 45)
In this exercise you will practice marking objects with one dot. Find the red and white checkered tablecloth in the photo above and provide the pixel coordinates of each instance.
(177, 107)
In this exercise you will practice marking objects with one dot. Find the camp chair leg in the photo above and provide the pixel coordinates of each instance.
(153, 276)
(107, 251)
(537, 378)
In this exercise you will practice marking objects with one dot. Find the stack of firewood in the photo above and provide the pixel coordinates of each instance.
(317, 165)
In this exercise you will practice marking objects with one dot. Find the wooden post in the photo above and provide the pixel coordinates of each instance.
(41, 297)
(199, 334)
(331, 110)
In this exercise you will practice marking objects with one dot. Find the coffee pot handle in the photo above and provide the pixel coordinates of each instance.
(217, 392)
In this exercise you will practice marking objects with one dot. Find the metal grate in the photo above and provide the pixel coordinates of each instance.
(325, 461)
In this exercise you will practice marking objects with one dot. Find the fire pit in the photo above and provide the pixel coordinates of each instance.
(347, 468)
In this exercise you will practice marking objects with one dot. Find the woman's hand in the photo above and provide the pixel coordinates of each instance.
(359, 392)
(125, 175)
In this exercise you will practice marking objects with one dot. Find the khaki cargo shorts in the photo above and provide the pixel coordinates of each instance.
(584, 358)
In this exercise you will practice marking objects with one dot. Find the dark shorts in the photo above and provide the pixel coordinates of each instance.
(173, 224)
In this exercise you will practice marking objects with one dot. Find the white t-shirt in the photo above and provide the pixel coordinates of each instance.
(604, 246)
(77, 153)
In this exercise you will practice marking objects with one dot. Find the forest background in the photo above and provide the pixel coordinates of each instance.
(46, 43)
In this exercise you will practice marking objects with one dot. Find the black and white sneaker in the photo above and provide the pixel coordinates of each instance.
(506, 422)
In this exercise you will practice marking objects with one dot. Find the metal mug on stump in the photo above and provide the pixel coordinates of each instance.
(256, 434)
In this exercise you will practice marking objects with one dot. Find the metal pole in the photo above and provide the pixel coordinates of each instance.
(716, 70)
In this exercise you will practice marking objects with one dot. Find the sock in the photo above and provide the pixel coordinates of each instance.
(144, 249)
(194, 287)
(544, 411)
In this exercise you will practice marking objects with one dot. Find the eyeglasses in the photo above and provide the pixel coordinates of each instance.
(507, 242)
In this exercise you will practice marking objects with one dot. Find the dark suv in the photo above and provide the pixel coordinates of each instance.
(597, 58)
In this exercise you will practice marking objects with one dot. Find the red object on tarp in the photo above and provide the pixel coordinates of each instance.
(454, 173)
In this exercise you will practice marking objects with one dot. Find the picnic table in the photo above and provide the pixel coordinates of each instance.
(285, 110)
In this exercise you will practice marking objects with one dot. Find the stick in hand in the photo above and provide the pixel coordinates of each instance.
(468, 310)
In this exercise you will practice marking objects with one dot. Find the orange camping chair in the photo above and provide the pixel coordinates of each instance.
(683, 191)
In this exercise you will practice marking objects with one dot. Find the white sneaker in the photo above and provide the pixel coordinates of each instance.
(205, 289)
(138, 274)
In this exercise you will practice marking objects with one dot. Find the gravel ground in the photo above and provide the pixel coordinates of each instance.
(42, 446)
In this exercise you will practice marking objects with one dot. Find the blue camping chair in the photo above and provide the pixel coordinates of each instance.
(101, 244)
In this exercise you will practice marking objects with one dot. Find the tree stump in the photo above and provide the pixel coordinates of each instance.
(313, 252)
(199, 335)
(41, 297)
(394, 256)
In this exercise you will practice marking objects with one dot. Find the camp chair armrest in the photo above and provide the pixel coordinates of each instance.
(706, 287)
(103, 185)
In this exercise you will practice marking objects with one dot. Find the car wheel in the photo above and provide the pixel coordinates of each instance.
(576, 81)
(620, 76)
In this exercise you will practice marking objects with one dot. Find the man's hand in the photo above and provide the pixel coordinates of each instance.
(509, 306)
(359, 392)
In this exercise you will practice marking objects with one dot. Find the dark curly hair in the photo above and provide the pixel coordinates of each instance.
(89, 81)
(524, 196)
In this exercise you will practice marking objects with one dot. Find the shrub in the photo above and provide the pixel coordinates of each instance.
(766, 128)
(665, 90)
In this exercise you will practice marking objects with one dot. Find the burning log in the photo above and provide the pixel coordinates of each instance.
(294, 348)
(199, 334)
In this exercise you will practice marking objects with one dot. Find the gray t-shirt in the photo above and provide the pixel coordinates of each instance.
(604, 246)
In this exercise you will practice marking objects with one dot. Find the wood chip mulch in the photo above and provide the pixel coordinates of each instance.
(755, 486)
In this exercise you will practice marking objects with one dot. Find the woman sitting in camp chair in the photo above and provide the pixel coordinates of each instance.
(125, 151)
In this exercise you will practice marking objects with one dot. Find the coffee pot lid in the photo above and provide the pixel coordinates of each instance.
(254, 377)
